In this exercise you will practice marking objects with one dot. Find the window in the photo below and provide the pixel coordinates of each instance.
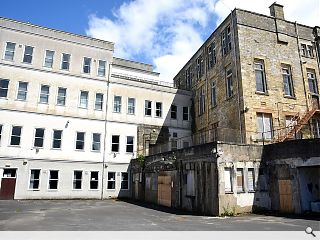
(158, 109)
(4, 85)
(44, 94)
(22, 91)
(174, 144)
(129, 147)
(227, 180)
(115, 143)
(240, 180)
(131, 105)
(34, 183)
(99, 101)
(15, 136)
(201, 101)
(307, 50)
(48, 61)
(312, 81)
(147, 108)
(102, 68)
(83, 99)
(261, 85)
(77, 179)
(124, 180)
(287, 81)
(0, 131)
(87, 65)
(229, 83)
(38, 137)
(200, 67)
(80, 140)
(185, 113)
(96, 142)
(251, 179)
(57, 138)
(304, 50)
(111, 180)
(185, 144)
(94, 180)
(117, 104)
(53, 179)
(61, 98)
(264, 126)
(213, 94)
(65, 63)
(226, 41)
(310, 51)
(9, 53)
(173, 112)
(188, 78)
(27, 57)
(212, 58)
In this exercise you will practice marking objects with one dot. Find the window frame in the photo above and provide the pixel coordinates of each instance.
(240, 188)
(226, 191)
(263, 135)
(46, 57)
(86, 100)
(174, 112)
(100, 102)
(24, 55)
(11, 135)
(59, 97)
(68, 62)
(35, 137)
(158, 113)
(113, 143)
(127, 144)
(39, 179)
(110, 180)
(185, 114)
(76, 179)
(133, 108)
(105, 67)
(311, 76)
(45, 95)
(94, 181)
(25, 92)
(213, 94)
(84, 65)
(6, 90)
(54, 179)
(147, 108)
(229, 83)
(95, 142)
(288, 76)
(53, 139)
(262, 72)
(121, 181)
(253, 180)
(6, 50)
(117, 106)
(80, 141)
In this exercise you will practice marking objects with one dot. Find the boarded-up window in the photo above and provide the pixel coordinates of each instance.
(251, 179)
(227, 180)
(148, 183)
(190, 183)
(240, 180)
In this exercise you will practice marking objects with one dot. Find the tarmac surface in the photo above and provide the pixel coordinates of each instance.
(115, 215)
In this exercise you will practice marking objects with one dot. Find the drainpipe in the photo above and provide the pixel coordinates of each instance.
(105, 132)
(301, 66)
(238, 80)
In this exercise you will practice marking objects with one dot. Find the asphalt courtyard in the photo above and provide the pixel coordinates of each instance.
(95, 215)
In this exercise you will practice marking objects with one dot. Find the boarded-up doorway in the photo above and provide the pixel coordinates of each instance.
(164, 190)
(8, 184)
(285, 195)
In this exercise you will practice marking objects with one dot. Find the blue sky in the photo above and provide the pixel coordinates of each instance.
(164, 33)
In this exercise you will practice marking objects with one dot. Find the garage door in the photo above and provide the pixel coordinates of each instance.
(285, 192)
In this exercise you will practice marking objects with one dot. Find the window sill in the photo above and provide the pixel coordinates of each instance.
(52, 190)
(59, 105)
(34, 190)
(94, 190)
(111, 190)
(77, 190)
(8, 60)
(230, 98)
(43, 103)
(59, 149)
(17, 146)
(290, 97)
(27, 63)
(122, 189)
(99, 110)
(262, 93)
(213, 107)
(132, 114)
(228, 192)
(240, 192)
(251, 191)
(4, 98)
(47, 67)
(147, 115)
(95, 151)
(85, 108)
(116, 112)
(21, 100)
(65, 70)
(79, 150)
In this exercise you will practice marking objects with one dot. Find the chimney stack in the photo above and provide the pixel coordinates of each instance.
(276, 10)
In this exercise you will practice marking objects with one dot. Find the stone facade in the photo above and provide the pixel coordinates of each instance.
(269, 42)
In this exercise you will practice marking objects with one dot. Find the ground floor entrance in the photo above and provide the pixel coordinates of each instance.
(8, 184)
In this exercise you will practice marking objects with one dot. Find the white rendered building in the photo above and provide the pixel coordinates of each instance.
(71, 114)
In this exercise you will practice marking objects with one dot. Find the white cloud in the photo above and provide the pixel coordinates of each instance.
(166, 33)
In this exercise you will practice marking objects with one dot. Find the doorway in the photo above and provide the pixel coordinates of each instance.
(285, 195)
(8, 184)
(164, 190)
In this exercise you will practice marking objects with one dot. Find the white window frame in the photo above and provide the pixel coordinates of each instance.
(100, 102)
(227, 190)
(115, 143)
(24, 91)
(188, 114)
(112, 180)
(130, 144)
(29, 182)
(98, 69)
(288, 75)
(82, 141)
(86, 100)
(46, 95)
(260, 70)
(229, 83)
(20, 136)
(53, 139)
(253, 180)
(264, 136)
(147, 108)
(128, 181)
(134, 106)
(35, 137)
(73, 180)
(13, 52)
(120, 105)
(89, 66)
(5, 89)
(158, 110)
(45, 58)
(94, 180)
(62, 54)
(93, 142)
(240, 189)
(64, 97)
(176, 111)
(53, 179)
(24, 53)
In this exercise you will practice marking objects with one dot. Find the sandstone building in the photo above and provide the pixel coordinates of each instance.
(255, 78)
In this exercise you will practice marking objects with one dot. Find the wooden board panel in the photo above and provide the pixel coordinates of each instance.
(285, 196)
(164, 190)
(7, 190)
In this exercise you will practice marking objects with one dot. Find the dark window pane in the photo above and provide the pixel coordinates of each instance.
(38, 142)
